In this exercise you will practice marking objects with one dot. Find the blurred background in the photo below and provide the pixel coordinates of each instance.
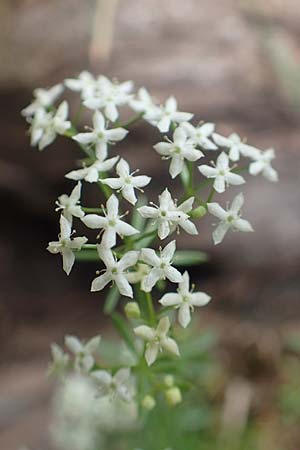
(233, 62)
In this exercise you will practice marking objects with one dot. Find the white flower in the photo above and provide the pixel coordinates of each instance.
(83, 352)
(65, 245)
(44, 98)
(169, 216)
(166, 114)
(60, 361)
(91, 173)
(229, 219)
(262, 164)
(180, 149)
(118, 385)
(139, 275)
(143, 102)
(199, 135)
(126, 183)
(235, 146)
(85, 83)
(222, 173)
(45, 126)
(69, 204)
(108, 95)
(157, 340)
(185, 300)
(115, 271)
(111, 223)
(100, 136)
(161, 266)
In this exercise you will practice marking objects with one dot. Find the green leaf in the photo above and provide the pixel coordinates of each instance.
(111, 300)
(189, 258)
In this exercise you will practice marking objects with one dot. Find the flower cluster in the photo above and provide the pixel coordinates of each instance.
(128, 243)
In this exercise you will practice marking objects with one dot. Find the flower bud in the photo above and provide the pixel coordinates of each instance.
(173, 396)
(148, 402)
(198, 212)
(132, 310)
(169, 380)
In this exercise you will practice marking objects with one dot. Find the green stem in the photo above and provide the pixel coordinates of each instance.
(211, 195)
(145, 235)
(152, 315)
(130, 121)
(92, 210)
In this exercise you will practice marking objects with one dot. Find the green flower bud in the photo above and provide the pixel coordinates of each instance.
(173, 396)
(169, 380)
(148, 402)
(198, 212)
(132, 310)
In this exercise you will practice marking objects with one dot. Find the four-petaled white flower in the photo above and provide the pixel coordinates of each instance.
(168, 215)
(111, 223)
(127, 182)
(199, 135)
(118, 385)
(65, 245)
(161, 266)
(108, 95)
(157, 340)
(91, 173)
(167, 114)
(222, 173)
(115, 271)
(100, 136)
(229, 219)
(235, 145)
(60, 361)
(85, 83)
(262, 164)
(69, 204)
(83, 352)
(180, 149)
(143, 102)
(185, 300)
(44, 98)
(45, 126)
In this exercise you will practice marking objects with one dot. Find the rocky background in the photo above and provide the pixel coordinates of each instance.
(236, 63)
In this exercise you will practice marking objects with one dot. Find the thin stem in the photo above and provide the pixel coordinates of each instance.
(144, 235)
(211, 195)
(130, 121)
(92, 210)
(151, 311)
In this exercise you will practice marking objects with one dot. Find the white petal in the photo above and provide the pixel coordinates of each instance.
(73, 344)
(184, 315)
(169, 250)
(116, 134)
(151, 279)
(111, 112)
(171, 346)
(148, 212)
(170, 299)
(102, 377)
(199, 299)
(207, 171)
(124, 229)
(129, 259)
(217, 210)
(163, 326)
(123, 169)
(219, 232)
(173, 274)
(235, 179)
(151, 352)
(219, 184)
(141, 181)
(223, 161)
(129, 195)
(65, 228)
(243, 225)
(94, 221)
(221, 140)
(189, 227)
(184, 285)
(114, 183)
(207, 129)
(92, 345)
(163, 148)
(149, 256)
(123, 286)
(145, 332)
(98, 121)
(237, 203)
(112, 205)
(84, 138)
(163, 229)
(100, 282)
